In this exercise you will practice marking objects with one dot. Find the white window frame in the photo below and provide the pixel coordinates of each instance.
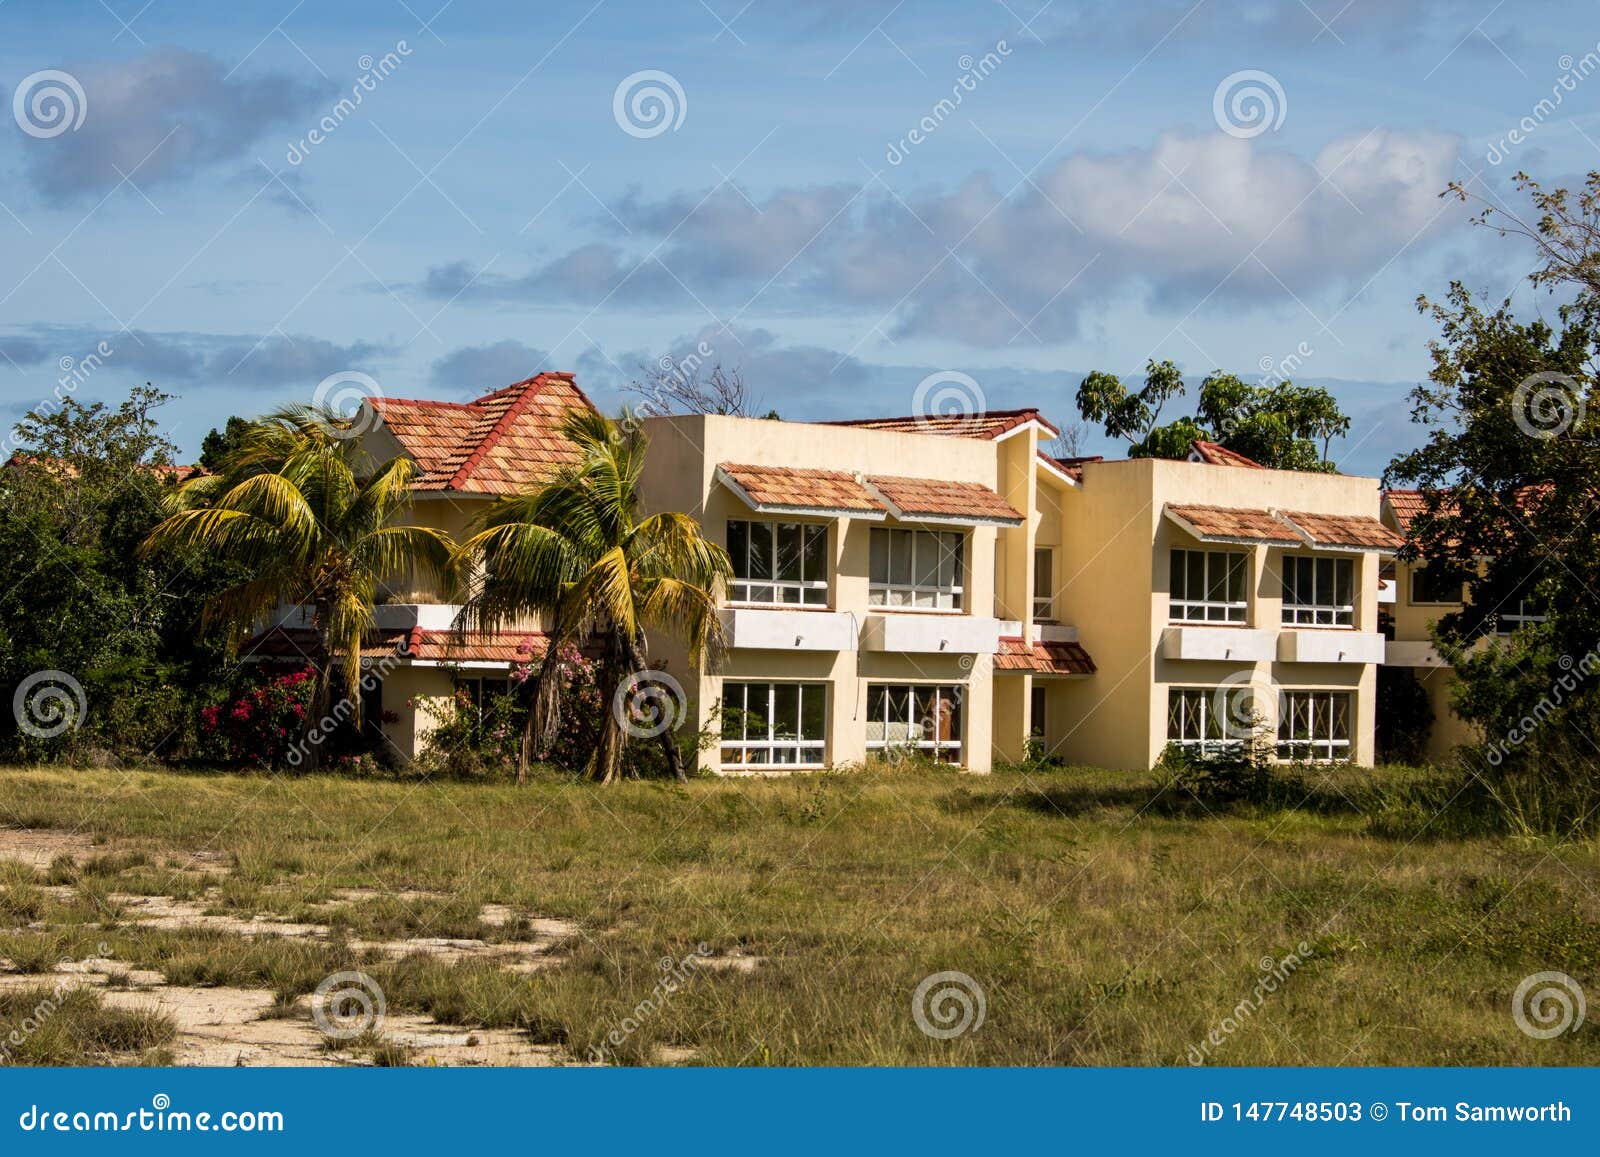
(802, 744)
(749, 592)
(1205, 743)
(1327, 747)
(956, 692)
(1044, 605)
(946, 599)
(1321, 610)
(1233, 613)
(1527, 612)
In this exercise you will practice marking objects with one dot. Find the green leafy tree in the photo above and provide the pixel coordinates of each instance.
(577, 551)
(1285, 426)
(309, 520)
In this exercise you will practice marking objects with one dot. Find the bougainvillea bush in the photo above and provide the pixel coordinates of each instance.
(261, 725)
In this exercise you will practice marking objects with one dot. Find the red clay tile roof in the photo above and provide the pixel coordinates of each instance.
(913, 498)
(783, 488)
(500, 443)
(1071, 467)
(1229, 524)
(1043, 658)
(1407, 505)
(1215, 454)
(61, 468)
(1358, 531)
(986, 424)
(298, 644)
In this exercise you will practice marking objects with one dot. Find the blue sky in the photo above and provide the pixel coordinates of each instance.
(485, 212)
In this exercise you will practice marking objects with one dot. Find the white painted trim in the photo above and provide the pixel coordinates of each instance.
(1060, 474)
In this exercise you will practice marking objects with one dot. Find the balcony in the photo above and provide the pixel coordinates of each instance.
(1330, 646)
(1412, 653)
(766, 629)
(931, 634)
(1218, 644)
(386, 616)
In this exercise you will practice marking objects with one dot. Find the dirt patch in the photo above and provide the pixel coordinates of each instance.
(37, 847)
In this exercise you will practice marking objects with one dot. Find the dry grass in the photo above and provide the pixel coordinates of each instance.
(1103, 926)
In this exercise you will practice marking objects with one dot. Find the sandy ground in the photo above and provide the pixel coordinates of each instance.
(225, 1026)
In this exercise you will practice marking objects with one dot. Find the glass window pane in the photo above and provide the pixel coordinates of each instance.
(786, 711)
(900, 557)
(757, 713)
(814, 565)
(788, 558)
(1217, 577)
(1236, 578)
(1195, 571)
(878, 567)
(928, 549)
(1342, 582)
(739, 548)
(761, 550)
(950, 707)
(733, 710)
(1175, 574)
(813, 712)
(1324, 583)
(877, 709)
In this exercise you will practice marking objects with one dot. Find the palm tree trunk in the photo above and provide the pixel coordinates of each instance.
(544, 714)
(638, 665)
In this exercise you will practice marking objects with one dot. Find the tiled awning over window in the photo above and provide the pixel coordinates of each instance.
(1343, 531)
(1056, 658)
(1233, 524)
(932, 499)
(787, 490)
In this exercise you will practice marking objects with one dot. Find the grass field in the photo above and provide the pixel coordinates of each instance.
(1103, 923)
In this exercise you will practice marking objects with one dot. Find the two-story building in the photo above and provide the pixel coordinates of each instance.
(941, 585)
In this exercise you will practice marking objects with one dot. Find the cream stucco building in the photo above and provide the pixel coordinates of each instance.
(943, 585)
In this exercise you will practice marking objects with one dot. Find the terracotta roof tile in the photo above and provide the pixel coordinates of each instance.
(500, 443)
(1071, 467)
(786, 488)
(913, 498)
(1215, 454)
(986, 424)
(1346, 530)
(1233, 524)
(1043, 658)
(298, 644)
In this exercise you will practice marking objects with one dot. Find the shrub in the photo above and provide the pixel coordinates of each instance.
(260, 725)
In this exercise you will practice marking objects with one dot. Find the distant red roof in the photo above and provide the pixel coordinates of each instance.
(1216, 454)
(500, 443)
(1071, 467)
(299, 644)
(986, 424)
(64, 469)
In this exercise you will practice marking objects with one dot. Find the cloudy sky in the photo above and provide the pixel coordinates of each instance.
(839, 198)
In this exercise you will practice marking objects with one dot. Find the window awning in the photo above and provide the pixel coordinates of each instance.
(1236, 525)
(1288, 528)
(1053, 658)
(937, 500)
(785, 490)
(1343, 531)
(840, 494)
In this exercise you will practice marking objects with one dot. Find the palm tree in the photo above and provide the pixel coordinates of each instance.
(576, 551)
(298, 508)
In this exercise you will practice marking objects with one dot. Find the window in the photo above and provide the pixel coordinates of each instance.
(1208, 586)
(1315, 725)
(482, 690)
(1195, 723)
(1433, 587)
(784, 563)
(1318, 592)
(925, 718)
(1527, 611)
(1044, 587)
(917, 569)
(1036, 712)
(774, 724)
